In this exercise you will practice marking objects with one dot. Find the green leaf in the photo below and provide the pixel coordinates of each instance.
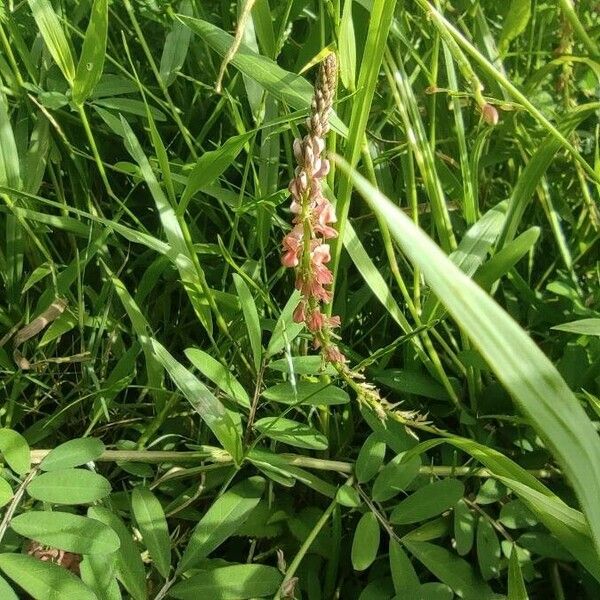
(348, 496)
(289, 87)
(428, 501)
(452, 570)
(370, 458)
(151, 521)
(72, 454)
(366, 542)
(250, 319)
(69, 486)
(406, 581)
(488, 549)
(66, 531)
(6, 492)
(98, 571)
(204, 403)
(176, 46)
(395, 477)
(347, 48)
(302, 365)
(516, 585)
(515, 515)
(292, 433)
(93, 51)
(219, 375)
(44, 580)
(285, 329)
(210, 166)
(6, 592)
(130, 568)
(9, 157)
(464, 527)
(222, 520)
(234, 582)
(15, 451)
(581, 327)
(528, 375)
(53, 36)
(307, 393)
(515, 22)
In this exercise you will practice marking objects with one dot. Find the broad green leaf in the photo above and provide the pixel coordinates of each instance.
(210, 166)
(250, 319)
(220, 375)
(348, 496)
(307, 393)
(72, 454)
(289, 87)
(515, 515)
(6, 492)
(93, 51)
(44, 580)
(292, 433)
(54, 36)
(428, 501)
(516, 585)
(6, 592)
(176, 46)
(395, 477)
(370, 458)
(452, 570)
(204, 403)
(515, 22)
(435, 591)
(98, 572)
(66, 531)
(581, 327)
(234, 582)
(302, 365)
(527, 374)
(222, 520)
(406, 581)
(285, 329)
(366, 542)
(14, 450)
(464, 527)
(488, 549)
(69, 486)
(130, 568)
(151, 521)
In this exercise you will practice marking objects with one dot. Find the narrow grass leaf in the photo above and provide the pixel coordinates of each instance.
(176, 46)
(54, 37)
(516, 585)
(581, 327)
(93, 51)
(528, 375)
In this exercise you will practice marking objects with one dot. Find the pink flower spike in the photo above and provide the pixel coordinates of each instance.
(323, 169)
(327, 213)
(333, 354)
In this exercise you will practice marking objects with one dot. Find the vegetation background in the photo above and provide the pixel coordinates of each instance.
(168, 431)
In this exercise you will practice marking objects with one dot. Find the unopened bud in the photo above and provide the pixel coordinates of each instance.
(490, 114)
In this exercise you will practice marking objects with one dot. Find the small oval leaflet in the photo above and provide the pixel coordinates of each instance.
(69, 486)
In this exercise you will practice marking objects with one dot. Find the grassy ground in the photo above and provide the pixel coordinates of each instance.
(203, 449)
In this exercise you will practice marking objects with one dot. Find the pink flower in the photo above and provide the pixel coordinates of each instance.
(333, 354)
(316, 320)
(320, 255)
(292, 246)
(299, 315)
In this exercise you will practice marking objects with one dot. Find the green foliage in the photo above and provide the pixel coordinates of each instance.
(171, 431)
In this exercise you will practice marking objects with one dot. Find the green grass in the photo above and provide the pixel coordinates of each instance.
(155, 393)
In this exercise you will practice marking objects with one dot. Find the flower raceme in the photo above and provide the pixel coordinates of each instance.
(305, 248)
